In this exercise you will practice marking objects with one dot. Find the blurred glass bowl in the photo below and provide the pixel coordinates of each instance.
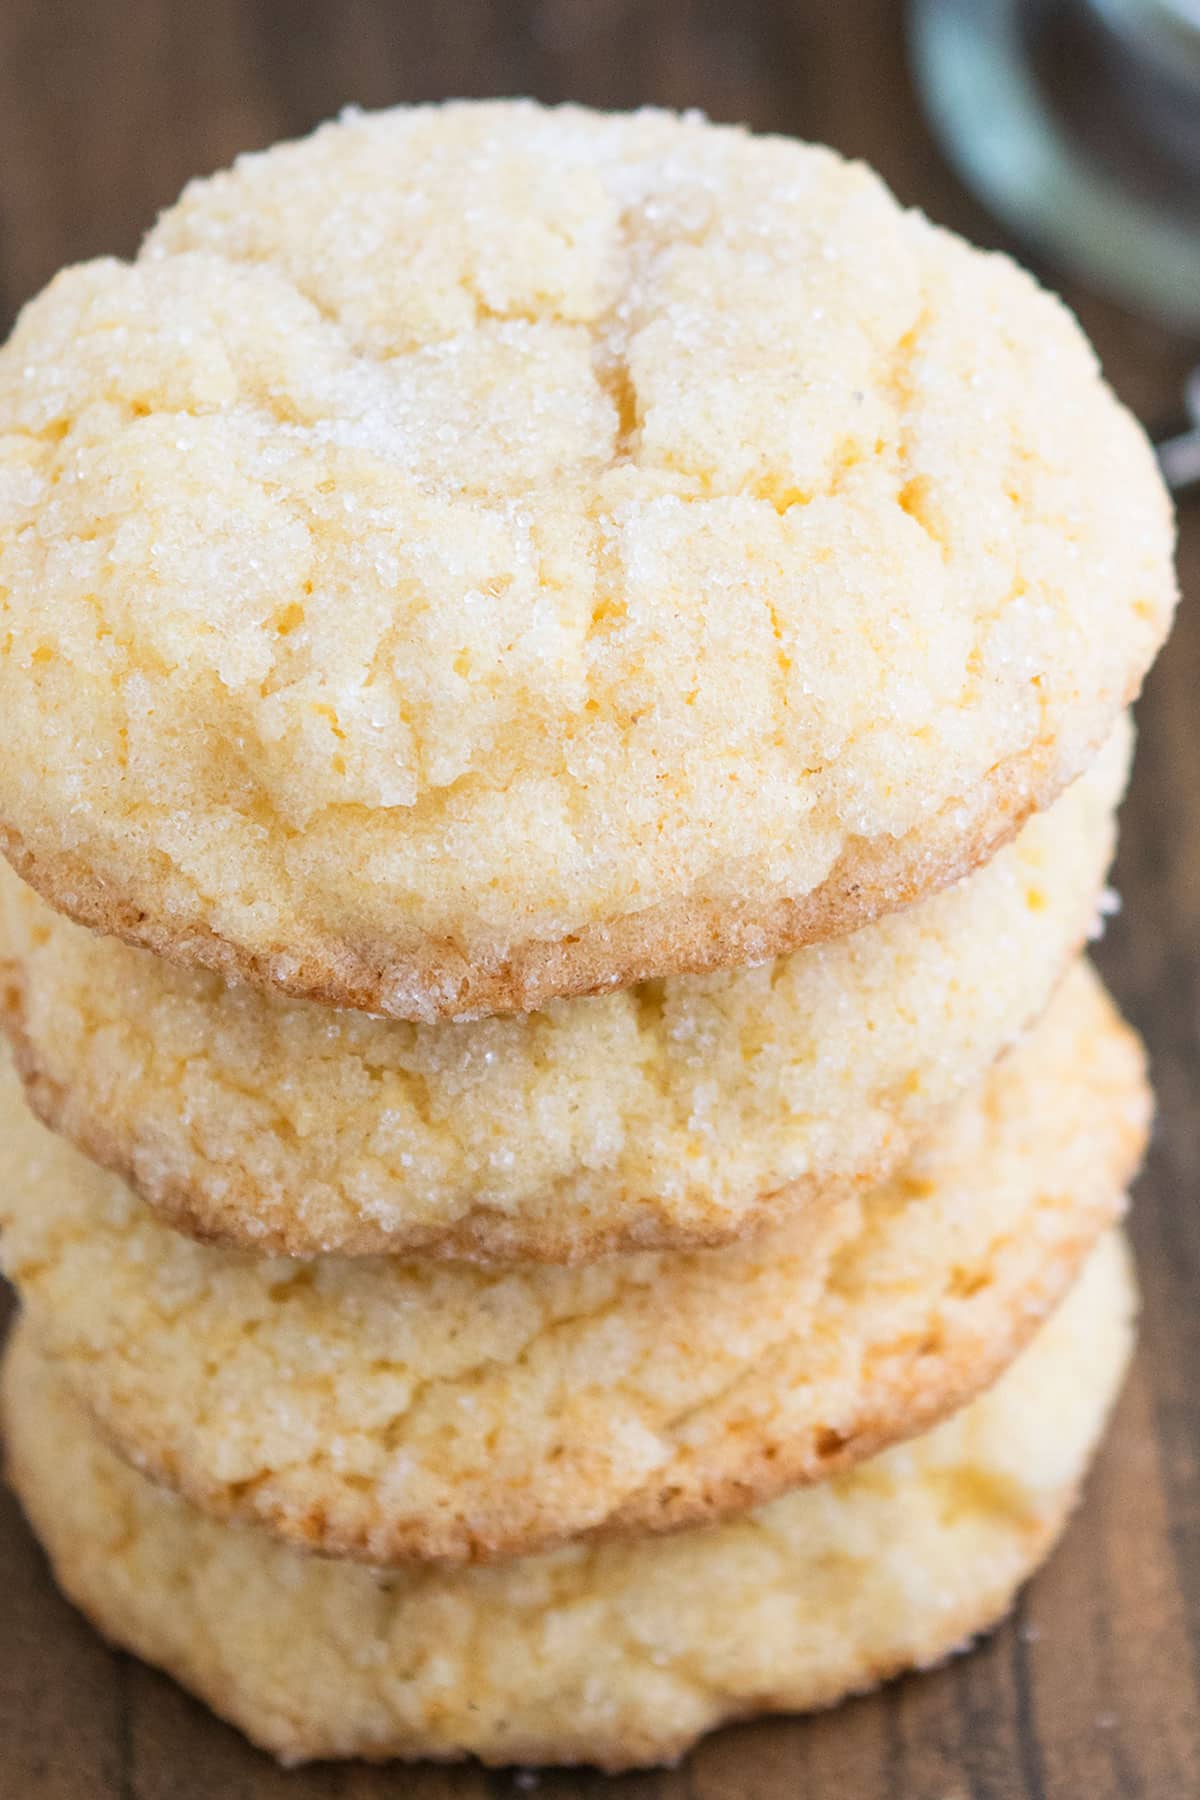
(1078, 123)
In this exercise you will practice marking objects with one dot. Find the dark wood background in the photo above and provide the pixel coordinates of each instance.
(1091, 1692)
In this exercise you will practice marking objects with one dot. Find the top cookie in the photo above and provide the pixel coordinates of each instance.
(482, 553)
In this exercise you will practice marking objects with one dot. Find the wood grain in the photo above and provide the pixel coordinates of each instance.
(1093, 1691)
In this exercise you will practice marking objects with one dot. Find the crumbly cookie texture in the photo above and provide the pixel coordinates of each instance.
(382, 1410)
(484, 552)
(620, 1654)
(664, 1116)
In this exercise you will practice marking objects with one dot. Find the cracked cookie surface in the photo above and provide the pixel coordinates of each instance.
(669, 1115)
(484, 552)
(383, 1410)
(620, 1654)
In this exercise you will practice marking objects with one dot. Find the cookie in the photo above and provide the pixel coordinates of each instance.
(619, 1654)
(677, 554)
(383, 1410)
(666, 1116)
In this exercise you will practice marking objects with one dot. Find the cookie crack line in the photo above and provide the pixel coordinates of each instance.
(750, 1117)
(441, 984)
(588, 1391)
(591, 1648)
(632, 483)
(613, 373)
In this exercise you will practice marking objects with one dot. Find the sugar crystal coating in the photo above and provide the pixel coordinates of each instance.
(482, 526)
(668, 1115)
(384, 1409)
(623, 1653)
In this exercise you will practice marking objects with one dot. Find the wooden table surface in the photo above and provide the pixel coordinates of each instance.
(1091, 1692)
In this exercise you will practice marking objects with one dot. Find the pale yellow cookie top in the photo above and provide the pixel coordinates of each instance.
(667, 1115)
(620, 1654)
(483, 551)
(383, 1409)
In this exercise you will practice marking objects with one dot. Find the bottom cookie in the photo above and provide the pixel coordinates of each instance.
(618, 1654)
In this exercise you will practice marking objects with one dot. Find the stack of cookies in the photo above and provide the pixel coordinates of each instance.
(563, 682)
